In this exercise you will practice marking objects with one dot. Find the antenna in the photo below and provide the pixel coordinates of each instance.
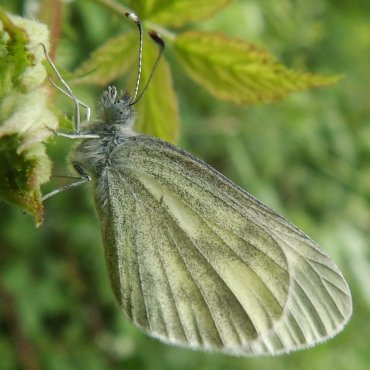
(159, 41)
(136, 19)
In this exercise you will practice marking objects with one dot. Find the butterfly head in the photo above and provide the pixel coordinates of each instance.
(116, 108)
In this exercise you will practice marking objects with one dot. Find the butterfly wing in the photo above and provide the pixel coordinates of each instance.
(196, 261)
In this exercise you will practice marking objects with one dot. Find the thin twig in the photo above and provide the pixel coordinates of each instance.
(122, 10)
(113, 5)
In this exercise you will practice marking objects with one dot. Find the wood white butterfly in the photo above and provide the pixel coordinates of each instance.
(193, 259)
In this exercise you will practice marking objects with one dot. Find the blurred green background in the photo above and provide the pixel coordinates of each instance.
(307, 157)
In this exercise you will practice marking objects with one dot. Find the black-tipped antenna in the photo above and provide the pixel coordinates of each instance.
(136, 19)
(159, 41)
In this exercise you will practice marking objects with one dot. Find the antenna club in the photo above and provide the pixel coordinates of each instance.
(133, 17)
(157, 38)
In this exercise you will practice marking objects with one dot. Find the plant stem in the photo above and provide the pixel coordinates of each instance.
(113, 5)
(122, 10)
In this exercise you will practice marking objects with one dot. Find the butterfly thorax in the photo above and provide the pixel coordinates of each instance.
(113, 128)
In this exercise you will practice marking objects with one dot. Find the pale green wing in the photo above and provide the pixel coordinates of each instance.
(196, 261)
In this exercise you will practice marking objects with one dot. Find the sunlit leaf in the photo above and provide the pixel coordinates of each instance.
(179, 12)
(237, 71)
(24, 115)
(109, 61)
(158, 109)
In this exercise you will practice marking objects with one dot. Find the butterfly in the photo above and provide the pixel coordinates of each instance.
(193, 259)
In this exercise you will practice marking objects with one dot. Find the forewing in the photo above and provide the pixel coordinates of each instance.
(195, 260)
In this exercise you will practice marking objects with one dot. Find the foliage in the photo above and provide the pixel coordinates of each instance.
(228, 68)
(306, 157)
(24, 115)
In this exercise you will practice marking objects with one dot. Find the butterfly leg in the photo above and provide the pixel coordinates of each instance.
(69, 93)
(84, 177)
(81, 135)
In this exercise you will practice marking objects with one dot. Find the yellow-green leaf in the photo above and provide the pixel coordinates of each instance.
(24, 115)
(179, 12)
(158, 109)
(109, 61)
(238, 71)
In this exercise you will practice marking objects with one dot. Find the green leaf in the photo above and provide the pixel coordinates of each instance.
(237, 71)
(24, 115)
(158, 113)
(13, 54)
(19, 174)
(179, 12)
(109, 61)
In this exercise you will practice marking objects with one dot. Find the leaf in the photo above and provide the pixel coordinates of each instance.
(19, 173)
(24, 115)
(179, 12)
(14, 57)
(158, 113)
(109, 61)
(238, 71)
